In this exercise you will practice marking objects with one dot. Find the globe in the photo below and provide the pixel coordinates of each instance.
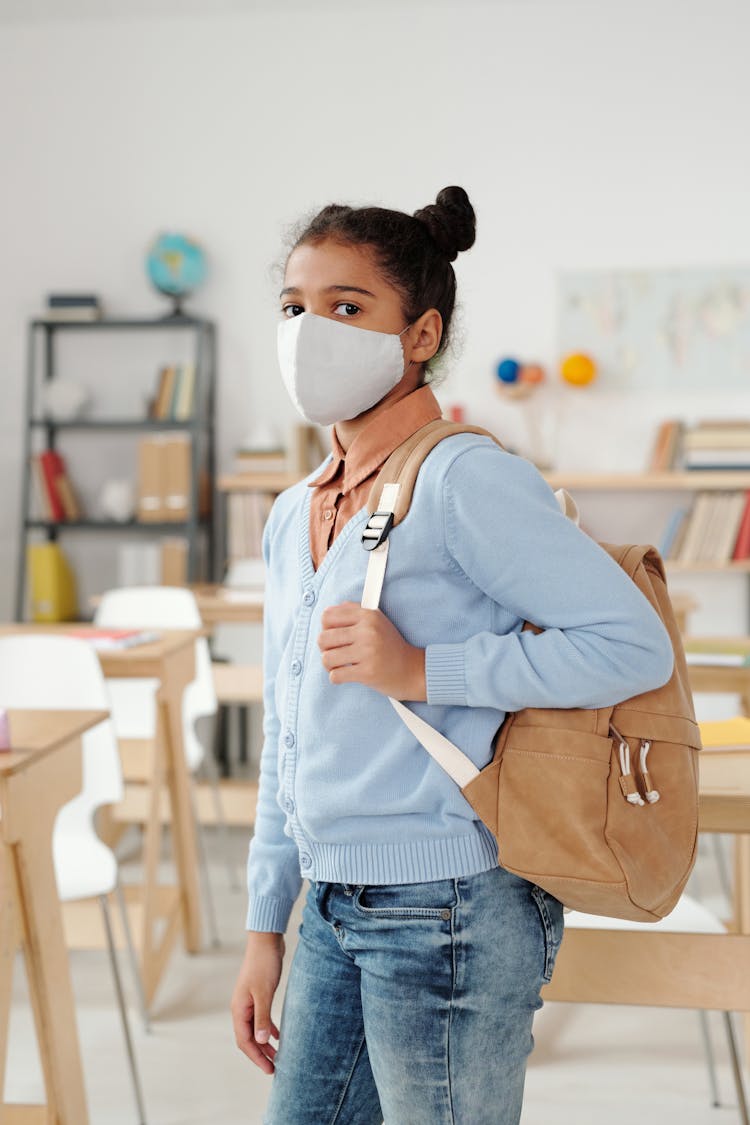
(176, 266)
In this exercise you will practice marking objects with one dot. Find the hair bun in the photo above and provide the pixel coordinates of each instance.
(450, 221)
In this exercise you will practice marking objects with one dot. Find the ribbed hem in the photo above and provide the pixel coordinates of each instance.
(268, 915)
(445, 674)
(417, 861)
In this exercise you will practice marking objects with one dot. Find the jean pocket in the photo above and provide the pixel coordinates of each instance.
(409, 900)
(551, 914)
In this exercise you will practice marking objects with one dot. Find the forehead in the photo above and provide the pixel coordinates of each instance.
(316, 265)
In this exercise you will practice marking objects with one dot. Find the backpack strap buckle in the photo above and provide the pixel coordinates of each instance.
(377, 529)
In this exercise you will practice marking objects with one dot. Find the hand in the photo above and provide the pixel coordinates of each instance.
(253, 993)
(362, 646)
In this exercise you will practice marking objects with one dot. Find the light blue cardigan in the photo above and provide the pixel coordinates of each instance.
(346, 793)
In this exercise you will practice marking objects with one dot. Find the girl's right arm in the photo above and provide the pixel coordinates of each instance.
(273, 873)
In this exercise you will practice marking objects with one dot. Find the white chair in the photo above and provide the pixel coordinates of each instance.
(688, 917)
(133, 701)
(47, 672)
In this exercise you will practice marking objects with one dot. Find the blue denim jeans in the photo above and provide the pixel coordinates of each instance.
(413, 1004)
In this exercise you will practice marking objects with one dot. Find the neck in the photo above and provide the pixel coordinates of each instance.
(348, 430)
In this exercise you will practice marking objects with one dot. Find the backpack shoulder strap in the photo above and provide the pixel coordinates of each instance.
(403, 465)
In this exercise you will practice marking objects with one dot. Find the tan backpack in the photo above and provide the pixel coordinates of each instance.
(598, 807)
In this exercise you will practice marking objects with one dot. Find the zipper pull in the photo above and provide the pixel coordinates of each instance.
(627, 781)
(652, 795)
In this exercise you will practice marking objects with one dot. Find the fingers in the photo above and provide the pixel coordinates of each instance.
(348, 613)
(252, 1038)
(335, 638)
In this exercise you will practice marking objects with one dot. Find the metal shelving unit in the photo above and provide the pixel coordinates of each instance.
(41, 363)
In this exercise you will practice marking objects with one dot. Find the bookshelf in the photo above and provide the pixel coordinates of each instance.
(720, 480)
(672, 481)
(45, 433)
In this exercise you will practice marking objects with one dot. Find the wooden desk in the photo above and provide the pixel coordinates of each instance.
(42, 773)
(158, 911)
(225, 605)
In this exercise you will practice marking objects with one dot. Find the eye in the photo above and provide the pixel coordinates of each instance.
(291, 310)
(346, 308)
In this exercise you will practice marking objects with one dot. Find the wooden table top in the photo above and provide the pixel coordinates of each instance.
(34, 734)
(229, 605)
(138, 660)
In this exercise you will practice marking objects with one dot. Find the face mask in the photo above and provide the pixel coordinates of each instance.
(335, 371)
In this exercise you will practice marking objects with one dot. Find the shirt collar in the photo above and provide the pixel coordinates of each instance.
(375, 443)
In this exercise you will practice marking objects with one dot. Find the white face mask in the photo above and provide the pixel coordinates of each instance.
(335, 371)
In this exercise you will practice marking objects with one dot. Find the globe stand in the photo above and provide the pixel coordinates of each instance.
(177, 312)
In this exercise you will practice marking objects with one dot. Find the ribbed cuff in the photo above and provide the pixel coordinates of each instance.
(268, 915)
(445, 674)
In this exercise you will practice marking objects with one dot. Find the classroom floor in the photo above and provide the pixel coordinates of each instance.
(591, 1063)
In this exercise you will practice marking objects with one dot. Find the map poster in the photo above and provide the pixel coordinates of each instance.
(680, 329)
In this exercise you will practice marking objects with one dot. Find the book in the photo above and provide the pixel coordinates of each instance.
(663, 449)
(742, 543)
(177, 455)
(726, 734)
(73, 312)
(151, 504)
(736, 438)
(50, 468)
(738, 459)
(261, 460)
(184, 398)
(719, 659)
(670, 534)
(65, 300)
(111, 639)
(691, 544)
(164, 393)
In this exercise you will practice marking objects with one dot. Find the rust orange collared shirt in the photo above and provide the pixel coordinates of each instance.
(341, 490)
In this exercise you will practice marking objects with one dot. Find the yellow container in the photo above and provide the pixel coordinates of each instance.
(52, 584)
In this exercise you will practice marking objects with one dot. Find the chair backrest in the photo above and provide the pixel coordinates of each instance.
(48, 672)
(166, 607)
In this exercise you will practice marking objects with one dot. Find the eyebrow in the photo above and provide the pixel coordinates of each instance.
(329, 289)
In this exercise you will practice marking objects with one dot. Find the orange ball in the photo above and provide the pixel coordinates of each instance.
(532, 373)
(578, 369)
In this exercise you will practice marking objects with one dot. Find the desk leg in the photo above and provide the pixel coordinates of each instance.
(29, 815)
(8, 947)
(179, 670)
(742, 907)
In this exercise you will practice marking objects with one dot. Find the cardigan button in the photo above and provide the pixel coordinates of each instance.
(296, 667)
(289, 739)
(289, 805)
(305, 859)
(308, 598)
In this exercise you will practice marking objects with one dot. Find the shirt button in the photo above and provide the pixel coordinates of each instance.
(308, 598)
(305, 859)
(296, 667)
(289, 805)
(289, 739)
(328, 514)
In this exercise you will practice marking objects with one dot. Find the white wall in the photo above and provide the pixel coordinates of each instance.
(588, 134)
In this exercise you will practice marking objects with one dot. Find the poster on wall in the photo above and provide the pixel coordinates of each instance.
(671, 329)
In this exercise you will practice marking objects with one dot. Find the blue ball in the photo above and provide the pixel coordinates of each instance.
(508, 370)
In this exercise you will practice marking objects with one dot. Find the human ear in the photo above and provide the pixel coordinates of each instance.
(425, 335)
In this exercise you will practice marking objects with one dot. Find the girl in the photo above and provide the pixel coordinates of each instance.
(420, 961)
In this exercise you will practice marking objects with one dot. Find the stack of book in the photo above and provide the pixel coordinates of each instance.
(73, 306)
(714, 529)
(175, 393)
(718, 444)
(721, 652)
(56, 498)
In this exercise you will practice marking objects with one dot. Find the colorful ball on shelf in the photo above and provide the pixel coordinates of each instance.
(508, 370)
(578, 369)
(532, 373)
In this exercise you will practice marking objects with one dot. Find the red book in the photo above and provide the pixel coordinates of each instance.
(50, 468)
(106, 639)
(742, 546)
